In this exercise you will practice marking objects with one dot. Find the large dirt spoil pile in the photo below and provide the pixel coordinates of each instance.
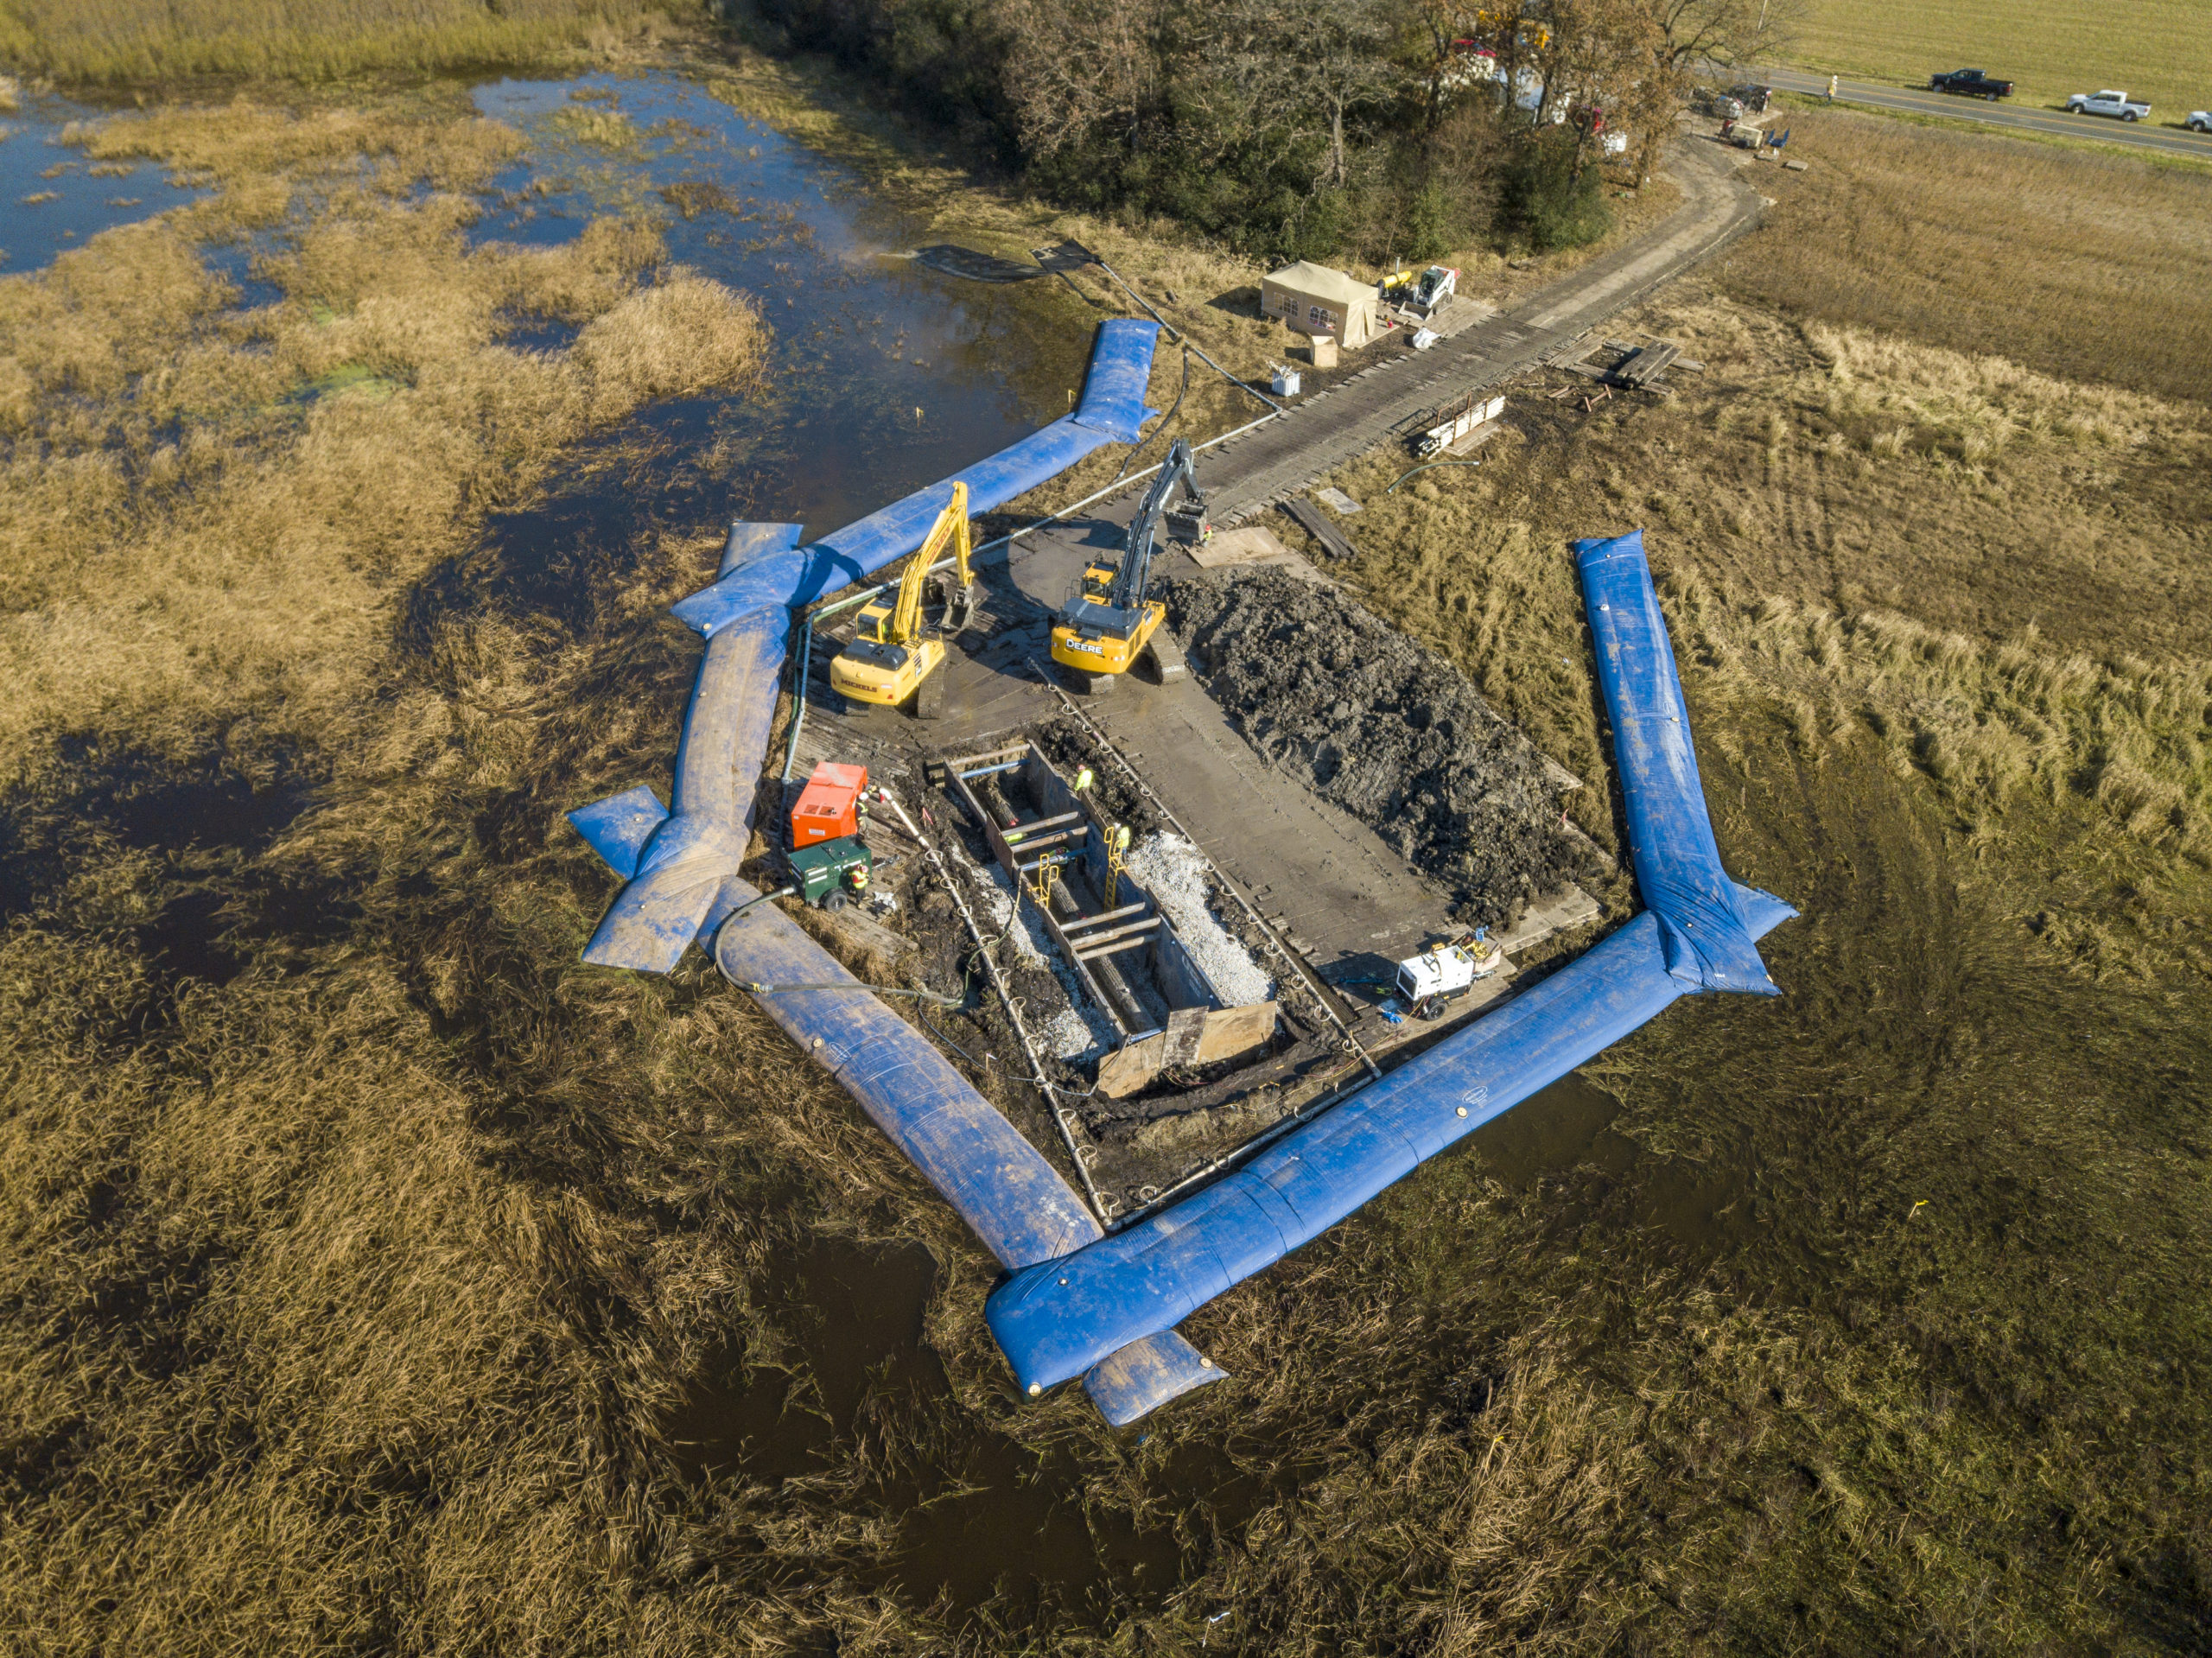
(1391, 732)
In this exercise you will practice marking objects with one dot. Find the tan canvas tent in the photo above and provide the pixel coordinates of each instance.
(1316, 300)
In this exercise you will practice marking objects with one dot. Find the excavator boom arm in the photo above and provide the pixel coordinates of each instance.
(1133, 580)
(951, 526)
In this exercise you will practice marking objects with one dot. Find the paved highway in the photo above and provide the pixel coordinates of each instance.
(2140, 134)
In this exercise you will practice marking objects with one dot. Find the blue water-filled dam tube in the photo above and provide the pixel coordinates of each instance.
(1078, 1302)
(1065, 1318)
(680, 864)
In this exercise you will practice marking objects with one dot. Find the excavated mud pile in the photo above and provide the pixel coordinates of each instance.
(1390, 732)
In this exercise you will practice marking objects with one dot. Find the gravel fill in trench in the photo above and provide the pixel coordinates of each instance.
(1388, 731)
(1174, 871)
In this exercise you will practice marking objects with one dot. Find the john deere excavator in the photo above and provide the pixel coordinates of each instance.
(893, 657)
(1111, 618)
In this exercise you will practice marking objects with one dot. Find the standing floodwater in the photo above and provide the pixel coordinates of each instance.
(885, 374)
(52, 197)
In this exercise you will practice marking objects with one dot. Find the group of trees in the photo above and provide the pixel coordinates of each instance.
(1307, 127)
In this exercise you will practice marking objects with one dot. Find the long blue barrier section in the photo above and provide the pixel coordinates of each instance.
(1112, 411)
(1670, 842)
(1001, 1185)
(1078, 1316)
(680, 865)
(686, 857)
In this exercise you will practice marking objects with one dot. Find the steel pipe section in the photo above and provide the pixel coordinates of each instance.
(1099, 1312)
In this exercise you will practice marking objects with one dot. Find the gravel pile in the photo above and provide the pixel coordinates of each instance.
(1174, 871)
(1390, 732)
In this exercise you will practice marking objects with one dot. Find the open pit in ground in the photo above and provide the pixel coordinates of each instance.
(1324, 703)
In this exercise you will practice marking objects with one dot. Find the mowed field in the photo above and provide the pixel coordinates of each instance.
(2160, 50)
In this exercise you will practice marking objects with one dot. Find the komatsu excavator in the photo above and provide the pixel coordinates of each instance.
(893, 657)
(1110, 618)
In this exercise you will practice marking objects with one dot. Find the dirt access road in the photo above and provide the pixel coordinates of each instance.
(1321, 434)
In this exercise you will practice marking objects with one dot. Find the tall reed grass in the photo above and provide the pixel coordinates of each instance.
(138, 40)
(211, 509)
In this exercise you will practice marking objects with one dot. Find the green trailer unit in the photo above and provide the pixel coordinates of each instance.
(830, 874)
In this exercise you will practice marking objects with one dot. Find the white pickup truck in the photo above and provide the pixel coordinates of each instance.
(2199, 120)
(2107, 103)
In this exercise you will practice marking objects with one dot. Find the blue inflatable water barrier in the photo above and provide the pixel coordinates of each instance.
(680, 862)
(1112, 411)
(1010, 1197)
(1078, 1315)
(1701, 926)
(1079, 1302)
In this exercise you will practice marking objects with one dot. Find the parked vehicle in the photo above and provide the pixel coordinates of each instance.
(2109, 103)
(1970, 83)
(1754, 97)
(2199, 120)
(1706, 101)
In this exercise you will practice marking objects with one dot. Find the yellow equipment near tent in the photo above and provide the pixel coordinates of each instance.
(891, 657)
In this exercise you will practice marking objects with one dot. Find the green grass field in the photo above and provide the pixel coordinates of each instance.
(2160, 50)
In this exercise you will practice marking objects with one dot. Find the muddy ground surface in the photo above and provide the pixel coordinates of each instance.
(911, 933)
(1390, 732)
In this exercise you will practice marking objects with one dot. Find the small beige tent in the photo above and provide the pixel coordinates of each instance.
(1315, 299)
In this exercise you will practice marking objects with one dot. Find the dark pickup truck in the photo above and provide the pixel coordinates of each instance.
(1970, 83)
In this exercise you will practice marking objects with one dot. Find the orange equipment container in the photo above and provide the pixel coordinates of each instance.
(829, 805)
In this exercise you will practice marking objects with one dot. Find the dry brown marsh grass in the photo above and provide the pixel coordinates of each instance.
(2083, 266)
(2000, 579)
(138, 40)
(345, 1297)
(210, 511)
(1954, 697)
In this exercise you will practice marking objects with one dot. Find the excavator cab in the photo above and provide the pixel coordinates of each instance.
(891, 657)
(1097, 587)
(1110, 617)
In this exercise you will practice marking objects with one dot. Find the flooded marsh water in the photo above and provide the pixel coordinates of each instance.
(886, 375)
(1674, 1348)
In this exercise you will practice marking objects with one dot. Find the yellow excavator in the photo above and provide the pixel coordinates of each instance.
(893, 657)
(1111, 617)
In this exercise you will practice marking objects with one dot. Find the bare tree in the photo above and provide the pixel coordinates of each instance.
(1728, 32)
(1305, 68)
(1078, 68)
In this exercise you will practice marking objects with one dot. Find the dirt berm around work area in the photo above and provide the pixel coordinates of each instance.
(1391, 732)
